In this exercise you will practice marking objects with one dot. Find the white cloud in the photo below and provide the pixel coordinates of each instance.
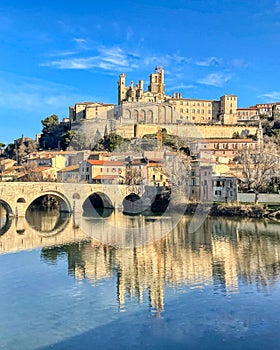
(210, 61)
(111, 59)
(82, 43)
(215, 79)
(273, 96)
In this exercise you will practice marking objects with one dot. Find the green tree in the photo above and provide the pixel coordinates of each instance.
(20, 149)
(112, 142)
(54, 134)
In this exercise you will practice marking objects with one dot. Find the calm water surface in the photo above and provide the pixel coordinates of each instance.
(149, 287)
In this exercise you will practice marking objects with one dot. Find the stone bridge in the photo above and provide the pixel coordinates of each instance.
(16, 197)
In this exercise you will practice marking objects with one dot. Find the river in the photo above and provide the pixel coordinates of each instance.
(138, 282)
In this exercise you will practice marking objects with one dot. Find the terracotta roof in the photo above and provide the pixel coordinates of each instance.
(105, 177)
(104, 162)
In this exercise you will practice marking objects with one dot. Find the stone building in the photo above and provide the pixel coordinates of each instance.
(154, 106)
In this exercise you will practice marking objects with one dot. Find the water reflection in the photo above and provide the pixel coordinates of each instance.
(46, 221)
(223, 252)
(5, 220)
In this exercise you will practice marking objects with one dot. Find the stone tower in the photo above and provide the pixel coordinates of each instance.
(157, 82)
(121, 88)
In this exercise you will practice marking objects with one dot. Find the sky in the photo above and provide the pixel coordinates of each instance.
(57, 53)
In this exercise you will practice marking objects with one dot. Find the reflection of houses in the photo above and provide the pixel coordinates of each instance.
(217, 254)
(101, 171)
(224, 189)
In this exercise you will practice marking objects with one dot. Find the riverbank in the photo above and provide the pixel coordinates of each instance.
(234, 209)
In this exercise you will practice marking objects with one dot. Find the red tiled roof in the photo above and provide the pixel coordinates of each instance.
(104, 162)
(105, 177)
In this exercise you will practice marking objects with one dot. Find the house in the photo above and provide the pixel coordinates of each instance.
(101, 171)
(69, 174)
(224, 188)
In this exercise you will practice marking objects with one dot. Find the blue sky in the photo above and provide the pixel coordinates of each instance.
(56, 53)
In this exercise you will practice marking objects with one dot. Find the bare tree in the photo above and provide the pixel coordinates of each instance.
(31, 173)
(134, 178)
(178, 171)
(258, 164)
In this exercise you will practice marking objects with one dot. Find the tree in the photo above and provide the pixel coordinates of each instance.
(54, 134)
(111, 143)
(259, 163)
(181, 164)
(20, 148)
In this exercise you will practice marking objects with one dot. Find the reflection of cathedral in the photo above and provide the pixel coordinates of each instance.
(220, 253)
(214, 255)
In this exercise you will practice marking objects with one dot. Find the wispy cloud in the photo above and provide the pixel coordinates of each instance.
(215, 79)
(82, 43)
(273, 96)
(210, 61)
(111, 59)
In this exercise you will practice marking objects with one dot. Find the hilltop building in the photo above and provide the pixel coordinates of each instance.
(139, 111)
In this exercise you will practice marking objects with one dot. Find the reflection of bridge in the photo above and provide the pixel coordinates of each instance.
(16, 197)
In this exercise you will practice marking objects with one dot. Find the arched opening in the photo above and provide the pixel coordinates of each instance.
(161, 202)
(5, 209)
(98, 204)
(20, 232)
(150, 117)
(5, 217)
(21, 200)
(48, 213)
(132, 204)
(51, 201)
(76, 196)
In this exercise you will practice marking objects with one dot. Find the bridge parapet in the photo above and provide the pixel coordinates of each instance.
(17, 196)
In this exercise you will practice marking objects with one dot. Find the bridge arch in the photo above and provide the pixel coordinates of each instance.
(64, 203)
(6, 206)
(97, 201)
(6, 223)
(132, 204)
